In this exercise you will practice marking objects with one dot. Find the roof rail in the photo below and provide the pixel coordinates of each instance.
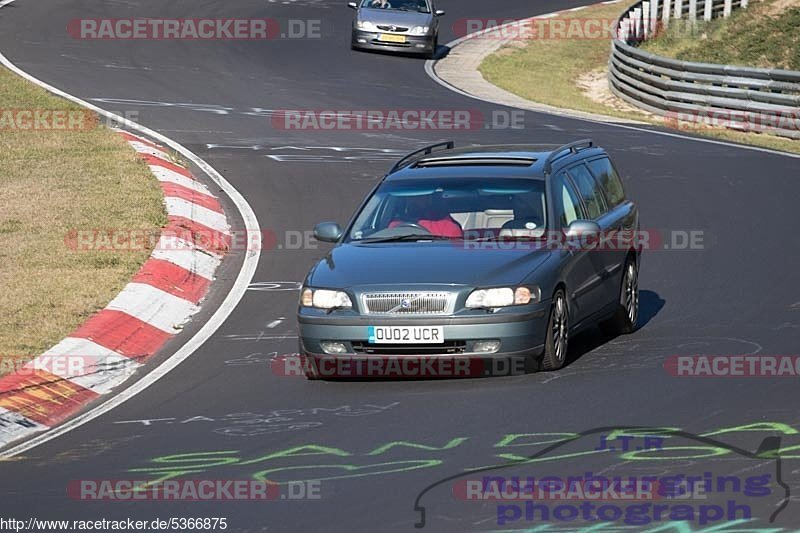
(428, 150)
(573, 148)
(467, 159)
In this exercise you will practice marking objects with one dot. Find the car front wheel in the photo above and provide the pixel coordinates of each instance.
(432, 54)
(627, 314)
(557, 339)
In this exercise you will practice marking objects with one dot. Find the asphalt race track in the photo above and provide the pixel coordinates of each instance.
(377, 445)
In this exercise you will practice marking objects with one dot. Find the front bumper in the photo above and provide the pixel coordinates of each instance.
(520, 334)
(414, 43)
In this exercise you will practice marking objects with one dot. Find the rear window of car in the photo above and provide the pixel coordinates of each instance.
(604, 171)
(589, 190)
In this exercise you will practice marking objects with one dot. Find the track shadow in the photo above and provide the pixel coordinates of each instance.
(650, 304)
(442, 51)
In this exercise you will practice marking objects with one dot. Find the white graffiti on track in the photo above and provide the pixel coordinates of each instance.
(258, 337)
(275, 286)
(259, 358)
(262, 428)
(276, 421)
(256, 358)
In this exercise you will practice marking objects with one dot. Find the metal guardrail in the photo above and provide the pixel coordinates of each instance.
(741, 98)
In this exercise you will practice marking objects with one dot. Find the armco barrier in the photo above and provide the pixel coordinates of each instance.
(741, 98)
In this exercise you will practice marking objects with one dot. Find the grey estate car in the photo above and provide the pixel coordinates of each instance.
(410, 26)
(487, 252)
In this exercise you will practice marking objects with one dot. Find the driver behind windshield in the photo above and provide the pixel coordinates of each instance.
(431, 214)
(416, 5)
(407, 5)
(528, 213)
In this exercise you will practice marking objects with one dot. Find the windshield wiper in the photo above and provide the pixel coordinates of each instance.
(506, 238)
(405, 238)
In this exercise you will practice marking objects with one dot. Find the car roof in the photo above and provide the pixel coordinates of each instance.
(527, 161)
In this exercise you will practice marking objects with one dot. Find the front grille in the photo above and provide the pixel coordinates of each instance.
(447, 348)
(398, 29)
(407, 303)
(394, 45)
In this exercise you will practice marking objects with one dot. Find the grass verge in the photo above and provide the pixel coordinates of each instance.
(54, 181)
(763, 35)
(570, 73)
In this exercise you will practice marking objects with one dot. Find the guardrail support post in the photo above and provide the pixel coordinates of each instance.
(646, 20)
(693, 11)
(654, 15)
(665, 14)
(744, 3)
(637, 24)
(728, 8)
(623, 30)
(707, 9)
(678, 9)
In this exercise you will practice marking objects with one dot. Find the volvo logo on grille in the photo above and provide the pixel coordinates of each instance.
(393, 27)
(423, 303)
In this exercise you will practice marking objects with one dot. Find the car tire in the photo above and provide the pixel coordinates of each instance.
(627, 314)
(557, 339)
(432, 53)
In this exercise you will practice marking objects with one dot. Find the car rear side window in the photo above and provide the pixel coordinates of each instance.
(590, 191)
(567, 201)
(604, 171)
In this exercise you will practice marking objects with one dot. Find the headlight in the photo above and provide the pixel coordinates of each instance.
(503, 297)
(325, 299)
(420, 30)
(366, 25)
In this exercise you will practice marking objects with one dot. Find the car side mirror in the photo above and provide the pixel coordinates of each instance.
(439, 13)
(352, 5)
(585, 232)
(327, 232)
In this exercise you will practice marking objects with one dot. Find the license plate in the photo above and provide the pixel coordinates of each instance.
(406, 334)
(389, 38)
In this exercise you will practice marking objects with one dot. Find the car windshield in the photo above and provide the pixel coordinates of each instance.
(420, 6)
(453, 208)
